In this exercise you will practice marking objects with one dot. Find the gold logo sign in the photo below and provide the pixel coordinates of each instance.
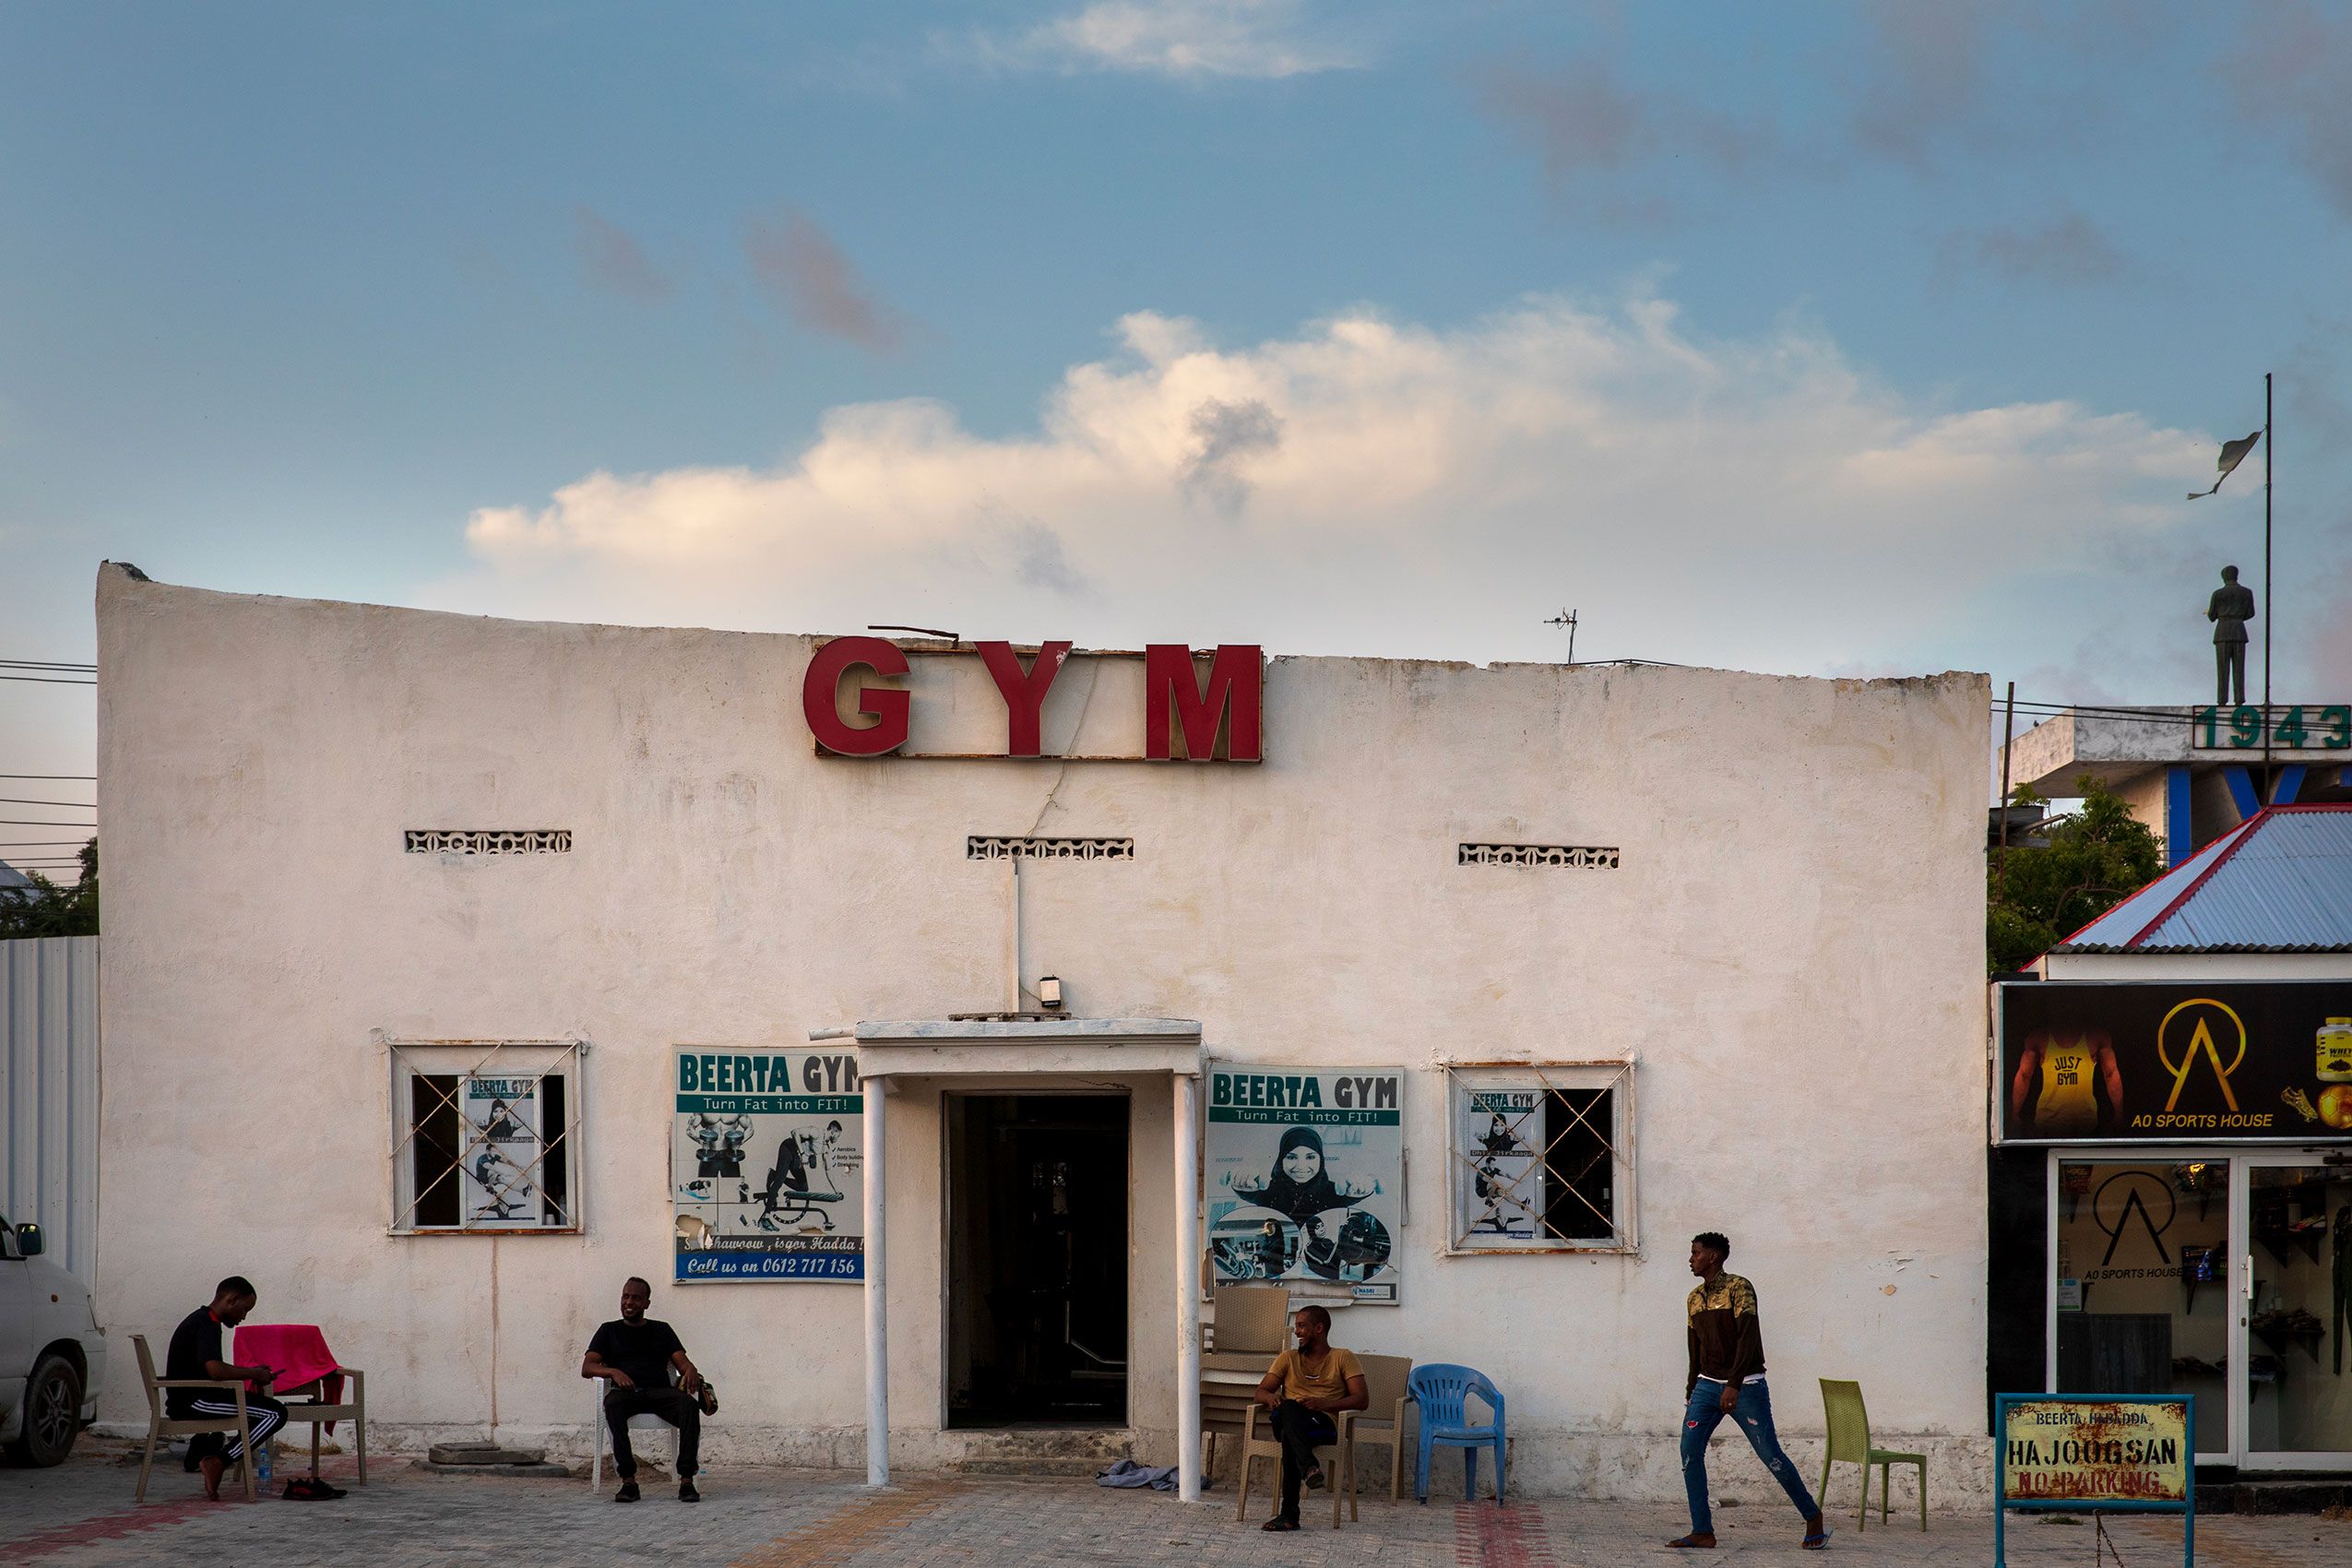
(2200, 1044)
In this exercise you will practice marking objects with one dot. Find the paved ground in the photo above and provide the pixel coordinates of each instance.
(82, 1514)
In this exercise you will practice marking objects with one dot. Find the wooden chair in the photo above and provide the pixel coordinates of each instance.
(353, 1409)
(1386, 1380)
(1849, 1442)
(160, 1425)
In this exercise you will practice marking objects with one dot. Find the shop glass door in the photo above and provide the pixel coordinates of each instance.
(2142, 1298)
(2296, 1392)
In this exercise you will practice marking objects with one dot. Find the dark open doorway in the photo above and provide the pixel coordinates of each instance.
(1036, 1259)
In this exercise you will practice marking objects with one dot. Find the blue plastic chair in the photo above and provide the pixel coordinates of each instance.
(1442, 1391)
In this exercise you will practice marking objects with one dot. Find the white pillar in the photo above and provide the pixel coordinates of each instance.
(1188, 1290)
(877, 1321)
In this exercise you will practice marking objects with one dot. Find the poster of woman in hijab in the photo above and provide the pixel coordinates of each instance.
(1305, 1172)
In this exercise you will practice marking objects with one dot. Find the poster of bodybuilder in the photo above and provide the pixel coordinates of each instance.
(1305, 1178)
(764, 1163)
(1500, 1135)
(502, 1167)
(2241, 1061)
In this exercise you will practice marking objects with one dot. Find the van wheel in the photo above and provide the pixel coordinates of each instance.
(52, 1413)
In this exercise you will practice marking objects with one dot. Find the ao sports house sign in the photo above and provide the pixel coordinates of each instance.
(2175, 1062)
(859, 699)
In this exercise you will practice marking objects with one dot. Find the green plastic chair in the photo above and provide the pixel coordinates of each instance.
(1849, 1440)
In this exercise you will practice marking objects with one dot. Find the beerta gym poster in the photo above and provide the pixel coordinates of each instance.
(2174, 1061)
(766, 1162)
(1305, 1174)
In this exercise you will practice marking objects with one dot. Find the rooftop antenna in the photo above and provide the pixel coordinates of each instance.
(1567, 618)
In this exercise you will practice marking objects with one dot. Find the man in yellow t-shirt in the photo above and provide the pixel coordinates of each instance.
(2068, 1059)
(1306, 1388)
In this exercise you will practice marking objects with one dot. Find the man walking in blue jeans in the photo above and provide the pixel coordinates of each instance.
(1727, 1378)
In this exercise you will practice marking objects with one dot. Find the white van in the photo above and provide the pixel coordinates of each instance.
(53, 1354)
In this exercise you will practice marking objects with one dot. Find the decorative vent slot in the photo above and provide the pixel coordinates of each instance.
(998, 847)
(488, 841)
(1589, 857)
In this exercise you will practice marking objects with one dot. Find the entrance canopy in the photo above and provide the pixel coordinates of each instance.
(1008, 1049)
(977, 1047)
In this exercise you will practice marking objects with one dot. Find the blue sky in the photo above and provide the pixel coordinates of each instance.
(1820, 338)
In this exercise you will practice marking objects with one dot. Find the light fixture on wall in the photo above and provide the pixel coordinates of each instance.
(1048, 992)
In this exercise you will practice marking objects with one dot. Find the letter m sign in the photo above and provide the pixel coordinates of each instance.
(1174, 699)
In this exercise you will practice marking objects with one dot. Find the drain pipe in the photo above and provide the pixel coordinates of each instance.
(1188, 1290)
(876, 1091)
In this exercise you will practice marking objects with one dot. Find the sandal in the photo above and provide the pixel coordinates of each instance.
(1816, 1540)
(1280, 1522)
(1693, 1542)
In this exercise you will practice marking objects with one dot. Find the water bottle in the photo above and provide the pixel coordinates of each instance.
(261, 1465)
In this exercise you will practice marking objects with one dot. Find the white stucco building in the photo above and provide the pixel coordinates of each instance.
(342, 836)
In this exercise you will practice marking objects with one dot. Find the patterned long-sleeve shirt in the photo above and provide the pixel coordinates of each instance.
(1726, 1342)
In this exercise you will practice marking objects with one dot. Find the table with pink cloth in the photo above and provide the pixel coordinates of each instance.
(297, 1352)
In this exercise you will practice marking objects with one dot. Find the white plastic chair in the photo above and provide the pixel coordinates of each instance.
(636, 1423)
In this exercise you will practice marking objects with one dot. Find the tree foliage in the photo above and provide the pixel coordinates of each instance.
(2094, 858)
(47, 909)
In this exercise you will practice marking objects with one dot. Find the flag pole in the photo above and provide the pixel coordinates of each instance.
(2270, 595)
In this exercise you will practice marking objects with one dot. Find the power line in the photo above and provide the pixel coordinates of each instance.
(48, 664)
(13, 800)
(47, 680)
(60, 778)
(34, 822)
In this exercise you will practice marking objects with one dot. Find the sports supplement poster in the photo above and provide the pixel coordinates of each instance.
(1500, 1134)
(1305, 1178)
(503, 1166)
(766, 1165)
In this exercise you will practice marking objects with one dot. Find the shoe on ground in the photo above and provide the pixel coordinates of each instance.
(686, 1493)
(1280, 1522)
(628, 1493)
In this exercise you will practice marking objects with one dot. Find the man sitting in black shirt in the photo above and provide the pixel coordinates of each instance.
(195, 1355)
(637, 1353)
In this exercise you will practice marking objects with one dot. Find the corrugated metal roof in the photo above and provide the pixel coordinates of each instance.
(2280, 883)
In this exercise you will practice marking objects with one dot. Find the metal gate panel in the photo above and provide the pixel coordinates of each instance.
(49, 1094)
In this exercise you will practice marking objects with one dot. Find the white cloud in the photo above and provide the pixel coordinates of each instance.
(1383, 487)
(1190, 38)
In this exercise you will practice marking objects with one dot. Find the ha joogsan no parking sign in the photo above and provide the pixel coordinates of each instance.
(2087, 1452)
(2099, 1454)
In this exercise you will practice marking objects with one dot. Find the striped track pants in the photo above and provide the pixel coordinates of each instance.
(263, 1415)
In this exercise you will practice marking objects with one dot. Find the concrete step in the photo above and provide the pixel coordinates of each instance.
(461, 1453)
(2280, 1494)
(538, 1470)
(1033, 1465)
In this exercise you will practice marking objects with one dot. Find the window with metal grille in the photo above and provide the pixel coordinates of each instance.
(1540, 1158)
(485, 1136)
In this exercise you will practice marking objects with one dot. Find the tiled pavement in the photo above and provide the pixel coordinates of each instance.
(82, 1514)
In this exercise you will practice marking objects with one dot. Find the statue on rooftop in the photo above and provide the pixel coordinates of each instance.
(2230, 607)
